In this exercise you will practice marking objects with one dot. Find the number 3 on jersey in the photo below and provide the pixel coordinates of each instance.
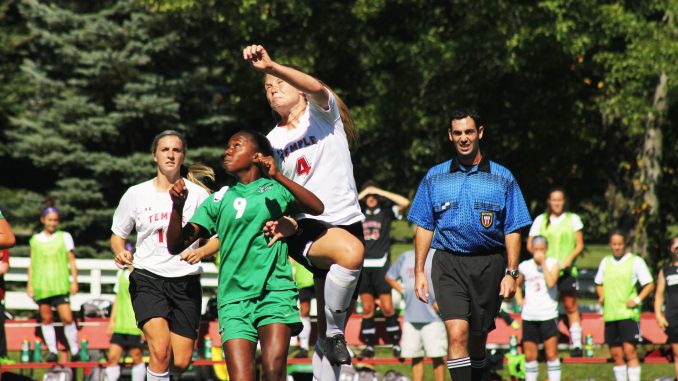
(303, 167)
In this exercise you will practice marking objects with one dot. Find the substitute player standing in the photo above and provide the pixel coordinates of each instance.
(539, 309)
(377, 230)
(616, 280)
(470, 210)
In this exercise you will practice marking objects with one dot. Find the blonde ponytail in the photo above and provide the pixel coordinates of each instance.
(197, 172)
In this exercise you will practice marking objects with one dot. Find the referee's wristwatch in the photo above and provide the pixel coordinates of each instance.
(513, 273)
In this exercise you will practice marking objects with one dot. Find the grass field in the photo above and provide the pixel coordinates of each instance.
(570, 372)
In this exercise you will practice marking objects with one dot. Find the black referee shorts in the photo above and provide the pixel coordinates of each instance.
(467, 288)
(177, 300)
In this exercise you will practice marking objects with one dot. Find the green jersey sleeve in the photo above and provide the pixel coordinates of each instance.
(206, 214)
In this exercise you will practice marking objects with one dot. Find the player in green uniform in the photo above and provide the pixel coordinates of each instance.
(257, 297)
(52, 259)
(616, 280)
(126, 336)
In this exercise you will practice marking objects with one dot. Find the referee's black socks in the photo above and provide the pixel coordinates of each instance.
(478, 368)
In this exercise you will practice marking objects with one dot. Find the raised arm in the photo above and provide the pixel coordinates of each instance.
(178, 237)
(401, 201)
(261, 61)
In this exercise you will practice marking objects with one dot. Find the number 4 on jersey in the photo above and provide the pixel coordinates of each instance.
(303, 167)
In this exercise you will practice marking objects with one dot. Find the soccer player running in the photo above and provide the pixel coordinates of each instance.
(471, 210)
(311, 145)
(539, 309)
(52, 255)
(616, 281)
(257, 297)
(667, 291)
(165, 289)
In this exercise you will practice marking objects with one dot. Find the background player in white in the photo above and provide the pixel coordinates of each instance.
(564, 232)
(165, 289)
(311, 147)
(539, 310)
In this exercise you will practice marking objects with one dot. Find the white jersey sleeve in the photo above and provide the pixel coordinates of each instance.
(601, 273)
(535, 229)
(68, 241)
(641, 272)
(123, 218)
(577, 225)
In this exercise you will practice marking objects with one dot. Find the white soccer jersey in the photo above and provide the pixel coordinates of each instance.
(541, 302)
(147, 210)
(315, 155)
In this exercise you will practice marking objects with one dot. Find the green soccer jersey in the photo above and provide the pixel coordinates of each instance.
(618, 287)
(125, 320)
(237, 215)
(49, 267)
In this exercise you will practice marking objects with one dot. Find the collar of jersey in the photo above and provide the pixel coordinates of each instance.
(483, 166)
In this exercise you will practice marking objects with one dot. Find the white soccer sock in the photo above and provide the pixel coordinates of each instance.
(305, 333)
(153, 376)
(531, 371)
(553, 370)
(575, 335)
(329, 372)
(317, 360)
(49, 334)
(113, 373)
(71, 333)
(139, 372)
(339, 286)
(619, 372)
(634, 373)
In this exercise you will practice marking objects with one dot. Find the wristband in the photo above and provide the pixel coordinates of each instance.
(637, 300)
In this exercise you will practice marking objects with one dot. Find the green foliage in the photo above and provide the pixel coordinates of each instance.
(566, 89)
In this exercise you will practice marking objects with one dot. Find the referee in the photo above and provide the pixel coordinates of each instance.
(470, 210)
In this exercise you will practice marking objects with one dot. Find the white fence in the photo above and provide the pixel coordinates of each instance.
(92, 272)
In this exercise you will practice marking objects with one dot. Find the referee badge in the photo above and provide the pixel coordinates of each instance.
(486, 219)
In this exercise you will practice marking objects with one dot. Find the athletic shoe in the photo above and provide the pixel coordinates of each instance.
(367, 353)
(301, 354)
(52, 357)
(576, 352)
(336, 351)
(6, 361)
(396, 351)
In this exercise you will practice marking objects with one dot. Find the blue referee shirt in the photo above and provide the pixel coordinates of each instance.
(469, 210)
